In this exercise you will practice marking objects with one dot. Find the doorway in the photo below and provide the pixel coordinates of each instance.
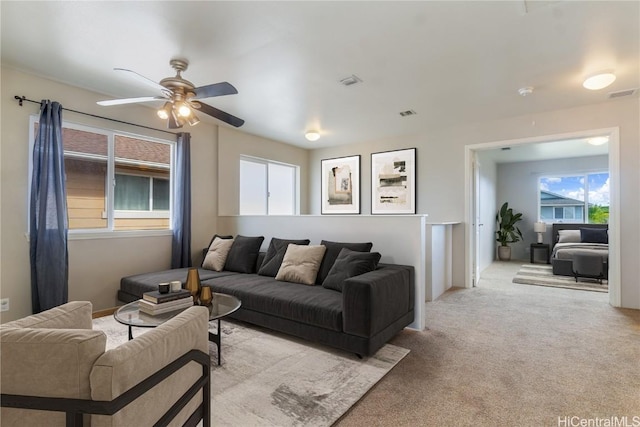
(538, 148)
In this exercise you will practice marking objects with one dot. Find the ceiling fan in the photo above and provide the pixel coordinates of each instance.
(181, 98)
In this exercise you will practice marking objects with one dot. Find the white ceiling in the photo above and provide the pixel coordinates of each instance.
(451, 62)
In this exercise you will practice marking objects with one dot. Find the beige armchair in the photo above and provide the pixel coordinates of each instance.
(54, 371)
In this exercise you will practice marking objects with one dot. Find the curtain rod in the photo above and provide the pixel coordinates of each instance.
(21, 99)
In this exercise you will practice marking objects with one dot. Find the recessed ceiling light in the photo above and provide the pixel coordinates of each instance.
(598, 140)
(599, 81)
(312, 135)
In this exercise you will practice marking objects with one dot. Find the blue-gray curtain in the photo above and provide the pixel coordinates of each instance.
(181, 224)
(48, 213)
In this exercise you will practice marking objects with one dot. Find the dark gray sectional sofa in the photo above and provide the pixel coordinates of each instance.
(369, 310)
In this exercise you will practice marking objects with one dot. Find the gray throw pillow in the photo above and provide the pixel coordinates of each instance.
(333, 250)
(349, 264)
(275, 254)
(594, 235)
(243, 254)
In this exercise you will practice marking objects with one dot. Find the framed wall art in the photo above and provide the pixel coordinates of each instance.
(341, 185)
(393, 182)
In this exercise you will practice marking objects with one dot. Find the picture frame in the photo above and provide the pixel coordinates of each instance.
(340, 188)
(393, 182)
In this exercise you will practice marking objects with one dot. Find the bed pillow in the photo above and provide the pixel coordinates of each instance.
(594, 235)
(569, 236)
(348, 264)
(243, 254)
(275, 254)
(217, 254)
(333, 250)
(301, 264)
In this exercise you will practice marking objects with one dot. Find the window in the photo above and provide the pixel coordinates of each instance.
(575, 199)
(138, 168)
(267, 188)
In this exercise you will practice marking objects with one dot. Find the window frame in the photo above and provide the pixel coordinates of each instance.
(585, 208)
(295, 190)
(111, 212)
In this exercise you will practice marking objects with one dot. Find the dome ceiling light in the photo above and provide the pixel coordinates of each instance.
(599, 81)
(312, 135)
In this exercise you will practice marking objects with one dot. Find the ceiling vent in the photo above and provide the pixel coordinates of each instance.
(351, 80)
(408, 113)
(621, 93)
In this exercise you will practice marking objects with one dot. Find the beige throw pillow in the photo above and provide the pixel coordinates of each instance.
(217, 254)
(301, 264)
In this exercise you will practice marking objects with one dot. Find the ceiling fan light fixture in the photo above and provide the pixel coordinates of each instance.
(184, 110)
(599, 81)
(163, 113)
(312, 135)
(193, 120)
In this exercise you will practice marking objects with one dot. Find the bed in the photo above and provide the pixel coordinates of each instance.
(578, 239)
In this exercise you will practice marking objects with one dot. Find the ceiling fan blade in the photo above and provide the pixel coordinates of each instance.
(142, 79)
(109, 102)
(220, 115)
(216, 89)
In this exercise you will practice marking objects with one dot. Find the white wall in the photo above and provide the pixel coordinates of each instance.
(487, 199)
(518, 185)
(95, 265)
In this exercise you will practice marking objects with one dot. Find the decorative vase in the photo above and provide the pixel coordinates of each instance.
(193, 284)
(205, 295)
(504, 253)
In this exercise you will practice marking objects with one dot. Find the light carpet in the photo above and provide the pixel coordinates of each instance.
(542, 275)
(271, 379)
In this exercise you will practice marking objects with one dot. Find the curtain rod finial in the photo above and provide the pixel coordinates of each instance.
(20, 99)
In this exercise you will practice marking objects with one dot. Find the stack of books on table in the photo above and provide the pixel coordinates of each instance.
(156, 303)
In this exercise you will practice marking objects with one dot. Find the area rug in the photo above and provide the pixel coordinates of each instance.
(271, 379)
(542, 275)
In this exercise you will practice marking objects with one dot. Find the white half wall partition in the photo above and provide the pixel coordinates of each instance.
(400, 239)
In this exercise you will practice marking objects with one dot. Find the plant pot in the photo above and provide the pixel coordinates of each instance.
(504, 253)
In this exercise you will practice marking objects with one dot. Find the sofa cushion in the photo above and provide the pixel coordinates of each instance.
(275, 254)
(301, 263)
(312, 305)
(333, 249)
(348, 264)
(217, 254)
(243, 254)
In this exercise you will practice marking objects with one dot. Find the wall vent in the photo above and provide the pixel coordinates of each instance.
(351, 80)
(621, 93)
(408, 113)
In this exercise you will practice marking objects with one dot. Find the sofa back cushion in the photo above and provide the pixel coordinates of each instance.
(275, 254)
(243, 254)
(333, 250)
(348, 264)
(301, 264)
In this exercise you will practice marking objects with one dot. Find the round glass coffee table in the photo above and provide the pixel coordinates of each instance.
(221, 305)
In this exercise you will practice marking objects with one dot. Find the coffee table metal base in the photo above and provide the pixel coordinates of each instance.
(215, 338)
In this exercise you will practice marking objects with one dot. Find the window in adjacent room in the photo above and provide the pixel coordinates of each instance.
(267, 187)
(139, 169)
(580, 198)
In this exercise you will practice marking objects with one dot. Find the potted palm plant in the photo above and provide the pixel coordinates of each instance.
(507, 232)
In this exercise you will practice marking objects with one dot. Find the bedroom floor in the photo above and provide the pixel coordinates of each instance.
(499, 275)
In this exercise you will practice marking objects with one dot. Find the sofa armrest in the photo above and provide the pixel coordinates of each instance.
(374, 300)
(72, 315)
(121, 368)
(49, 362)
